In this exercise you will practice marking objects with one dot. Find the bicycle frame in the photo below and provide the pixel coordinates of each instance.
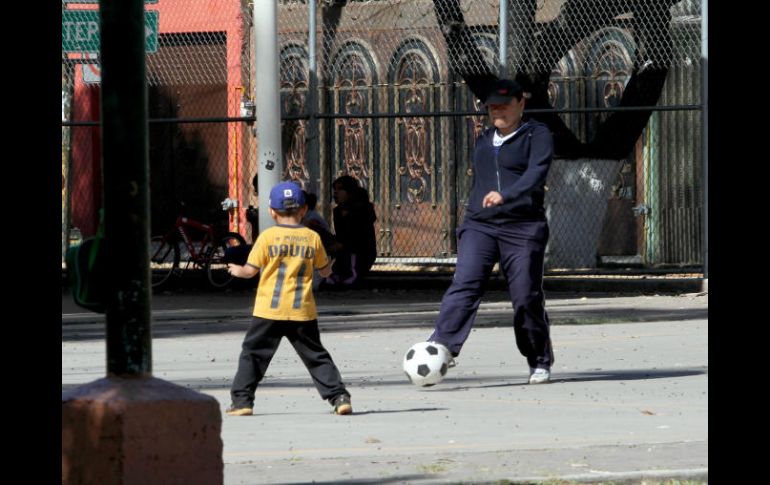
(206, 252)
(183, 222)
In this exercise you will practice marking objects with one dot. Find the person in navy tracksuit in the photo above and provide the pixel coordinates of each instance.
(505, 221)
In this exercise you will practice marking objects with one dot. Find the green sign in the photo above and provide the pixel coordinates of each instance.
(80, 31)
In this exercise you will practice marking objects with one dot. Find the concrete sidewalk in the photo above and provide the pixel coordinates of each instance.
(629, 398)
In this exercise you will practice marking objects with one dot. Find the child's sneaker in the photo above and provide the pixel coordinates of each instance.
(342, 404)
(539, 376)
(233, 411)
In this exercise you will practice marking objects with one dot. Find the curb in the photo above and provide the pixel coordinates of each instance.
(617, 284)
(632, 284)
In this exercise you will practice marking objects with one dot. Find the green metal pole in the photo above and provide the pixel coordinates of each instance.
(125, 171)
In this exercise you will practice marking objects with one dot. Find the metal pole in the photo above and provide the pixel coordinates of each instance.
(705, 135)
(455, 151)
(503, 27)
(313, 145)
(267, 95)
(125, 172)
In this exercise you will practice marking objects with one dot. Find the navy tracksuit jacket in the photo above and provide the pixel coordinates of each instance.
(514, 233)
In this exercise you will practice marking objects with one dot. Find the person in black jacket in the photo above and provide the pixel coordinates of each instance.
(505, 222)
(354, 219)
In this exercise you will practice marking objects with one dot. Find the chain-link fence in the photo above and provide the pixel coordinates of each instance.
(393, 108)
(198, 77)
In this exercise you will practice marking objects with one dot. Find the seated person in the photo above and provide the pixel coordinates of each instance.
(354, 219)
(315, 221)
(239, 254)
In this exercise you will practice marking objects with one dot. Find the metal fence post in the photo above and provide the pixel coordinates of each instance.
(705, 135)
(503, 40)
(267, 95)
(312, 95)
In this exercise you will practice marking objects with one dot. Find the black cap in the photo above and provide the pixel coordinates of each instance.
(503, 91)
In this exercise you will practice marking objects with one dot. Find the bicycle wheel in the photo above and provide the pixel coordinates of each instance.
(216, 265)
(164, 260)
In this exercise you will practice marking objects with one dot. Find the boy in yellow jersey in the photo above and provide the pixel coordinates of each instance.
(286, 254)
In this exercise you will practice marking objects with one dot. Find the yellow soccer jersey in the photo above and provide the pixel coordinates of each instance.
(286, 256)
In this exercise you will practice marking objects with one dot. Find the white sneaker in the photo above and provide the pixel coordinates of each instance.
(539, 376)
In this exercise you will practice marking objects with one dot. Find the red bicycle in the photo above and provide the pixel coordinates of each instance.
(201, 248)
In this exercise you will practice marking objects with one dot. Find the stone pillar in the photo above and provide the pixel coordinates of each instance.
(140, 430)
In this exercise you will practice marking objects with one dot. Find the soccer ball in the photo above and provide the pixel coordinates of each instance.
(425, 363)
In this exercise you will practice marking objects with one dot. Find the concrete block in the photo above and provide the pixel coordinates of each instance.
(140, 431)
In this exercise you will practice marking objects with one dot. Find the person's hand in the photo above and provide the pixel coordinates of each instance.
(492, 199)
(246, 271)
(326, 271)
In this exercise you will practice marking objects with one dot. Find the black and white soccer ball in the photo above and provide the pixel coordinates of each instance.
(425, 363)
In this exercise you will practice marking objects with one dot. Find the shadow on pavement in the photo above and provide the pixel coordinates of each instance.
(363, 481)
(632, 375)
(452, 383)
(388, 411)
(608, 375)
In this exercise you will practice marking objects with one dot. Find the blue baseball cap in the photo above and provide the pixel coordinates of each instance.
(286, 195)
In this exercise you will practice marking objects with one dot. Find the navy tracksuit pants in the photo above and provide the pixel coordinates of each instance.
(520, 249)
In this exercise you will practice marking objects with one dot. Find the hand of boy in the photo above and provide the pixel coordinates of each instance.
(247, 271)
